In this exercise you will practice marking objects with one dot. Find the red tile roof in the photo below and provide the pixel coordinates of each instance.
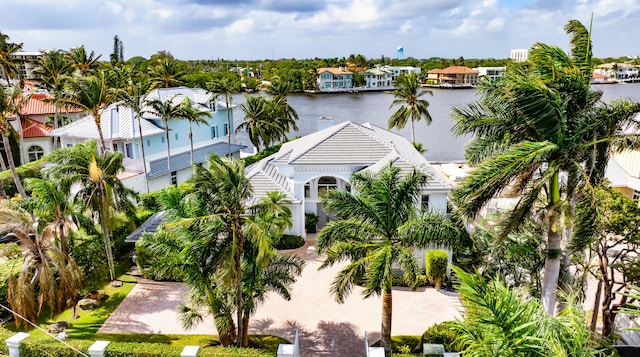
(34, 129)
(37, 106)
(454, 70)
(334, 70)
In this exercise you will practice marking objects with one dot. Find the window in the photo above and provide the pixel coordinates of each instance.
(325, 184)
(115, 147)
(162, 139)
(635, 196)
(307, 191)
(214, 132)
(226, 129)
(176, 136)
(174, 178)
(129, 150)
(35, 153)
(148, 142)
(425, 202)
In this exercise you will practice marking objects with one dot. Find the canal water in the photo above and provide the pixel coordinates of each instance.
(373, 107)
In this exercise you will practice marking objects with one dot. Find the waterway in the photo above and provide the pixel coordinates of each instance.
(374, 107)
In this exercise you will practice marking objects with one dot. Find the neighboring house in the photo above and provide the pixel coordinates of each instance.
(623, 171)
(519, 55)
(334, 79)
(30, 62)
(306, 167)
(619, 71)
(398, 70)
(491, 72)
(379, 77)
(454, 76)
(120, 130)
(36, 119)
(599, 78)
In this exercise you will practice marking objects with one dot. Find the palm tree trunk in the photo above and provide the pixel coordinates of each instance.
(191, 141)
(596, 308)
(144, 158)
(413, 137)
(107, 241)
(245, 326)
(554, 249)
(166, 134)
(226, 96)
(2, 168)
(96, 118)
(12, 165)
(238, 265)
(387, 305)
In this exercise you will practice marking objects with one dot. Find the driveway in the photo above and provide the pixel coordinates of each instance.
(325, 327)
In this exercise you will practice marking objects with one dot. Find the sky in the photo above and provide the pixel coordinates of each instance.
(272, 29)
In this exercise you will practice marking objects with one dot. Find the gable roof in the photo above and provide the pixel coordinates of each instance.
(333, 70)
(454, 70)
(34, 129)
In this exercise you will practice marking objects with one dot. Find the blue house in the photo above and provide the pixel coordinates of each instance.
(119, 125)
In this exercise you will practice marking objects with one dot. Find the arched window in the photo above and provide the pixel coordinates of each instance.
(35, 153)
(326, 183)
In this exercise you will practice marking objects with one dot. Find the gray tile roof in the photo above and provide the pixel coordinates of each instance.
(150, 225)
(182, 160)
(266, 178)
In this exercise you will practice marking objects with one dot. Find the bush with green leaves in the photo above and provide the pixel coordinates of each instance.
(442, 333)
(158, 266)
(288, 241)
(436, 267)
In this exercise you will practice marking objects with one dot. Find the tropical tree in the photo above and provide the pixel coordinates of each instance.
(530, 128)
(166, 74)
(100, 189)
(52, 70)
(193, 114)
(260, 121)
(409, 97)
(84, 63)
(224, 87)
(11, 101)
(375, 228)
(90, 94)
(287, 115)
(165, 110)
(10, 65)
(48, 276)
(133, 96)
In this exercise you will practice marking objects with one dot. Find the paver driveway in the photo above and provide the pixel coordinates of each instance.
(325, 327)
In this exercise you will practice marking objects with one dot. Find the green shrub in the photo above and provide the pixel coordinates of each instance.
(288, 241)
(158, 267)
(398, 280)
(29, 170)
(441, 333)
(261, 155)
(436, 267)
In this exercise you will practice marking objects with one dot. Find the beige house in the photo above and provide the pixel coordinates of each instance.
(454, 76)
(623, 171)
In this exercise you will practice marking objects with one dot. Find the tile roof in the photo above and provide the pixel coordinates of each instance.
(36, 105)
(34, 129)
(181, 160)
(333, 70)
(454, 70)
(150, 225)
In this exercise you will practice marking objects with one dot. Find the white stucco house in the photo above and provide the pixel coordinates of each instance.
(304, 168)
(378, 78)
(119, 125)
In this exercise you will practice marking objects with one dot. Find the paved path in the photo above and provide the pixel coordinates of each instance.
(326, 328)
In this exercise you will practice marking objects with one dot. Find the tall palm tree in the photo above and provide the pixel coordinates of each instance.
(166, 74)
(11, 102)
(100, 189)
(133, 96)
(48, 276)
(279, 90)
(52, 69)
(90, 94)
(193, 114)
(408, 96)
(8, 64)
(259, 121)
(84, 63)
(375, 228)
(224, 87)
(165, 110)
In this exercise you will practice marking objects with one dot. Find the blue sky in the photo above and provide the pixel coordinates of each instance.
(259, 29)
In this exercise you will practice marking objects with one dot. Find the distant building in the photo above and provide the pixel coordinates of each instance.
(398, 70)
(30, 62)
(491, 72)
(379, 77)
(334, 79)
(519, 55)
(454, 76)
(619, 71)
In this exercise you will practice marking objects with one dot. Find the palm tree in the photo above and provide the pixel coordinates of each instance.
(193, 114)
(100, 189)
(259, 121)
(165, 110)
(412, 107)
(10, 65)
(52, 69)
(375, 228)
(11, 101)
(83, 63)
(90, 94)
(224, 87)
(133, 96)
(165, 74)
(48, 276)
(287, 115)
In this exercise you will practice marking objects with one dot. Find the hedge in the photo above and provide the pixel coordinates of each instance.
(289, 241)
(25, 171)
(436, 266)
(441, 333)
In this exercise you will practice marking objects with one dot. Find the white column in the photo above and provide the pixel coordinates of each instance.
(190, 351)
(13, 343)
(98, 348)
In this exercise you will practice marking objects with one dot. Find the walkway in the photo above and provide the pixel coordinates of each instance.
(326, 328)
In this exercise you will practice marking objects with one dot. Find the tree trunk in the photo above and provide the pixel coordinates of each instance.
(96, 118)
(238, 263)
(596, 308)
(226, 96)
(144, 158)
(554, 250)
(387, 305)
(107, 241)
(12, 165)
(413, 137)
(191, 142)
(245, 324)
(166, 134)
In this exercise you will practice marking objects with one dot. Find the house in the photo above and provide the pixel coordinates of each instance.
(623, 171)
(120, 130)
(334, 79)
(36, 120)
(491, 72)
(29, 63)
(519, 55)
(599, 78)
(378, 78)
(619, 71)
(305, 168)
(398, 70)
(454, 76)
